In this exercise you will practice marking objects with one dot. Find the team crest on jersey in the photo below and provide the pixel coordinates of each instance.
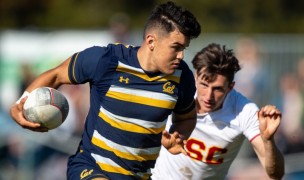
(168, 87)
(86, 173)
(122, 79)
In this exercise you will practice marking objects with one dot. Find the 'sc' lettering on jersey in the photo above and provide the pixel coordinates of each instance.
(193, 149)
(196, 148)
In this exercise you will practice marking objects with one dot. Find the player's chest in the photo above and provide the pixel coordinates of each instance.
(216, 130)
(137, 80)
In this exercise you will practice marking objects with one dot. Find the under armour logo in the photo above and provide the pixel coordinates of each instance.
(121, 79)
(168, 87)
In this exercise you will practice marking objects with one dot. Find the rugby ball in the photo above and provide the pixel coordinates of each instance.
(46, 106)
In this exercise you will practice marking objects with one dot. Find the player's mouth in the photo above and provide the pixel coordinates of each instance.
(175, 65)
(208, 104)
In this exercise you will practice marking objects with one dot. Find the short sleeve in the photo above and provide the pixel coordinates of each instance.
(250, 122)
(83, 64)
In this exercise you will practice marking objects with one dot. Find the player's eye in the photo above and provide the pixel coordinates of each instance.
(219, 89)
(178, 48)
(204, 85)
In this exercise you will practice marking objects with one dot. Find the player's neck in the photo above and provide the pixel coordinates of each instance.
(145, 60)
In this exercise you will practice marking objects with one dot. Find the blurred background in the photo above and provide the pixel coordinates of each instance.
(36, 35)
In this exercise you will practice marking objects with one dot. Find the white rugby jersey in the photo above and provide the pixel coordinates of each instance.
(214, 143)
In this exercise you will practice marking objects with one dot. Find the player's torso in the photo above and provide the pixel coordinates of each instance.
(213, 144)
(130, 114)
(218, 137)
(215, 140)
(211, 149)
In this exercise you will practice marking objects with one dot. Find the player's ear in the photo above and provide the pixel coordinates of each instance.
(150, 41)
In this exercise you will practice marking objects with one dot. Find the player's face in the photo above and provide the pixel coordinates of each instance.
(169, 51)
(211, 95)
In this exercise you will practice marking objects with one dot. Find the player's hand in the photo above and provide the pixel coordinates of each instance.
(16, 113)
(174, 143)
(270, 118)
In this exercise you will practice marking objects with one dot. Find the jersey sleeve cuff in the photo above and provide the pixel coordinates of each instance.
(72, 64)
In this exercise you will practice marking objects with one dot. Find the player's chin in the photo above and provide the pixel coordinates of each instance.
(169, 71)
(208, 108)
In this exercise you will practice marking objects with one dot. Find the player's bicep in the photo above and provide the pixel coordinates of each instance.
(52, 78)
(184, 123)
(62, 72)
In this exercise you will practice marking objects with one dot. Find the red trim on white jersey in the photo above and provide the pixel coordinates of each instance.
(254, 137)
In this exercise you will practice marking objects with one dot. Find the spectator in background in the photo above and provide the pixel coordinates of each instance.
(79, 102)
(14, 149)
(300, 73)
(292, 128)
(27, 76)
(251, 78)
(119, 26)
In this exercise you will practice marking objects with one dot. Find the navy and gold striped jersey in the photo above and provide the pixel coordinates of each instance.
(128, 108)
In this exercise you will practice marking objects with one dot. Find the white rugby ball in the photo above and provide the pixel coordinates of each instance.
(46, 106)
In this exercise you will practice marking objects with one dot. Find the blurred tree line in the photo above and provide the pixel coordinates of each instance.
(229, 16)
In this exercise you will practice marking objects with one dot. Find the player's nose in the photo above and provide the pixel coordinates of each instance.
(180, 55)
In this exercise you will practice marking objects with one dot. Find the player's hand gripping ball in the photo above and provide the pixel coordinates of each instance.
(46, 106)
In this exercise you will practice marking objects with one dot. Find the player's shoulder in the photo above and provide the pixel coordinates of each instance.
(117, 47)
(184, 66)
(185, 70)
(122, 50)
(240, 102)
(111, 48)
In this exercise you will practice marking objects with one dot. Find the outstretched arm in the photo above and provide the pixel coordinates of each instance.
(264, 145)
(51, 78)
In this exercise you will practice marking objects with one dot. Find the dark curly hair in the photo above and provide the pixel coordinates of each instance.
(170, 17)
(214, 60)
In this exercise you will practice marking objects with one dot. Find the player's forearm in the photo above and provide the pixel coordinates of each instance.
(184, 123)
(44, 80)
(51, 78)
(274, 160)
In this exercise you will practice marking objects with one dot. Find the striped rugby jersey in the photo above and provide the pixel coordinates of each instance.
(128, 108)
